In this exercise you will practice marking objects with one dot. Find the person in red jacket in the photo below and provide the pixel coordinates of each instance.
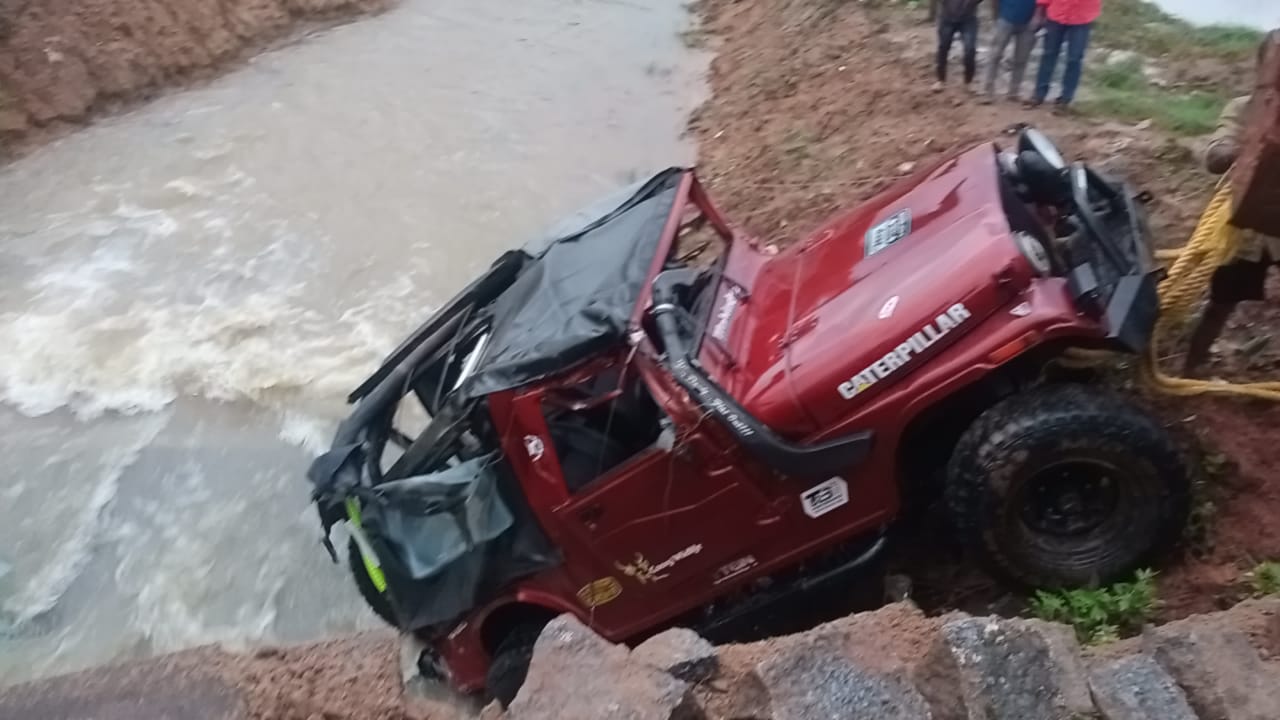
(1068, 22)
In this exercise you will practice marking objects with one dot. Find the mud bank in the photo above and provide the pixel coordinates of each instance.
(356, 678)
(61, 61)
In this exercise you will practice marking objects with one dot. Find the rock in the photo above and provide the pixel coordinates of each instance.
(681, 653)
(1137, 688)
(578, 675)
(896, 641)
(897, 588)
(899, 641)
(492, 711)
(1223, 676)
(1121, 57)
(1017, 669)
(817, 681)
(1064, 654)
(1259, 619)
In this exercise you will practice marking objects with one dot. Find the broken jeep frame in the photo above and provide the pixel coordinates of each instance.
(691, 440)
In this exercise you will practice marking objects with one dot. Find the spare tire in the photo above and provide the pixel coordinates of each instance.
(1067, 486)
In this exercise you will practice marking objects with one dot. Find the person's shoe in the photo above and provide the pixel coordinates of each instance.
(1034, 102)
(1062, 107)
(937, 86)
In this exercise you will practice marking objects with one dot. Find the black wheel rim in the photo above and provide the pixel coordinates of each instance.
(1080, 539)
(1071, 498)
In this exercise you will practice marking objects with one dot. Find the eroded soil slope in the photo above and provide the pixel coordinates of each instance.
(60, 60)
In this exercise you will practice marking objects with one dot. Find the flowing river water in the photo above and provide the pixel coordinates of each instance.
(187, 292)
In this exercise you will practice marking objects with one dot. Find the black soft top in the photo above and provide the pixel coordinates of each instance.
(578, 289)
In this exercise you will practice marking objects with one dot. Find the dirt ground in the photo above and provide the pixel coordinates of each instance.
(353, 678)
(817, 104)
(62, 61)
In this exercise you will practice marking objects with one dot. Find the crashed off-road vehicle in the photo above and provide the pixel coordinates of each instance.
(651, 418)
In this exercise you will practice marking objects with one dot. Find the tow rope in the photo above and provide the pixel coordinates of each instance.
(367, 554)
(1213, 243)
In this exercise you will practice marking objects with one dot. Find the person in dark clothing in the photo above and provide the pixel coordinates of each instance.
(1013, 24)
(957, 17)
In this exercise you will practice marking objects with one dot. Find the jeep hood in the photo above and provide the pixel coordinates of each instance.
(869, 297)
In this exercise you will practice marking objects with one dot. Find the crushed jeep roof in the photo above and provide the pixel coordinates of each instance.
(579, 289)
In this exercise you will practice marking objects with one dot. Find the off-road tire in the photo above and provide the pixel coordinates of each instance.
(510, 663)
(1067, 436)
(376, 601)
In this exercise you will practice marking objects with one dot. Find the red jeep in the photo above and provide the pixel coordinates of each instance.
(651, 418)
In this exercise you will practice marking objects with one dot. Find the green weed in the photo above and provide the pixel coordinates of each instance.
(1122, 91)
(1102, 615)
(1140, 25)
(1264, 579)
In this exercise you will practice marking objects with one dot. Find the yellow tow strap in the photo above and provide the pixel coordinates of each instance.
(1212, 244)
(371, 565)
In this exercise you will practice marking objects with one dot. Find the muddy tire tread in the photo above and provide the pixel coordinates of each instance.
(1051, 409)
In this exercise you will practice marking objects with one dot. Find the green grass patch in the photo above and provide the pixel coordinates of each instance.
(1264, 579)
(1104, 614)
(1121, 91)
(1141, 26)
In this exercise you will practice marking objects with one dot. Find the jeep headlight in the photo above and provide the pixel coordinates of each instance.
(1035, 253)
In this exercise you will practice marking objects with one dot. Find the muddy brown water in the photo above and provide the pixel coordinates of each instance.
(187, 291)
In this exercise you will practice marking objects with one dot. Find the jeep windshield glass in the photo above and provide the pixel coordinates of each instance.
(702, 246)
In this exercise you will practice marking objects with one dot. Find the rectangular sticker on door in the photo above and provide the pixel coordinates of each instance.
(825, 497)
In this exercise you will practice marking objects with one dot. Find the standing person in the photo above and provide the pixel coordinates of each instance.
(1013, 22)
(957, 17)
(1070, 22)
(1244, 277)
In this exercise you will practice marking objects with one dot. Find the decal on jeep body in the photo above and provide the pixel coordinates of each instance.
(732, 570)
(887, 232)
(534, 446)
(646, 572)
(724, 314)
(899, 357)
(599, 592)
(825, 497)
